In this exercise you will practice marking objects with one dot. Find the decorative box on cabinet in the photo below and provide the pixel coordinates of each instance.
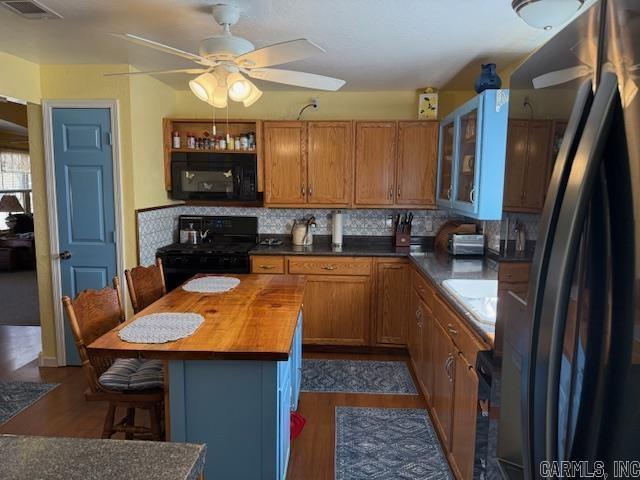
(471, 156)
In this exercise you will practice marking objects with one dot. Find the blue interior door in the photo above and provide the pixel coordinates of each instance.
(85, 202)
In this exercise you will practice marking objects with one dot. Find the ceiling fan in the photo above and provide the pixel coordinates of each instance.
(623, 66)
(225, 59)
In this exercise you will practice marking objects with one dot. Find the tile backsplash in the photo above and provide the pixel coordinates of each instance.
(157, 228)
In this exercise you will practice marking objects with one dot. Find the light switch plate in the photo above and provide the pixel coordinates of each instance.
(428, 224)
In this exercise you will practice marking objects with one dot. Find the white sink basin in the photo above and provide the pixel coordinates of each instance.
(479, 296)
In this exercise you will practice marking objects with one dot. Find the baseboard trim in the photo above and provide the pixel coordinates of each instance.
(47, 361)
(373, 350)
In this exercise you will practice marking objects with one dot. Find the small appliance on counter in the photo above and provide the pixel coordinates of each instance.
(301, 234)
(466, 244)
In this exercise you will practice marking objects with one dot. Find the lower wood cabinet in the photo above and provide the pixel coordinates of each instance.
(393, 277)
(336, 310)
(444, 358)
(443, 351)
(465, 401)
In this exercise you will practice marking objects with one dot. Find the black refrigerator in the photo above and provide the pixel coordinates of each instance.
(570, 380)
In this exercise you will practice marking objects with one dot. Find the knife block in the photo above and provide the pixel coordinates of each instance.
(403, 239)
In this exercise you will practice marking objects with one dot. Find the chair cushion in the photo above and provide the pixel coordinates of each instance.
(133, 374)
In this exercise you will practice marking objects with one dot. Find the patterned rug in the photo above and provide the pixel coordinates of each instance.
(16, 396)
(356, 376)
(387, 443)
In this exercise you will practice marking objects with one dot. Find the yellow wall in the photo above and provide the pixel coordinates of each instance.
(281, 105)
(151, 101)
(19, 78)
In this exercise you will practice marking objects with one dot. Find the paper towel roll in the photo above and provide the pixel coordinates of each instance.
(336, 228)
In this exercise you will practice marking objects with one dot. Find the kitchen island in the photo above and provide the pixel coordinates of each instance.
(234, 381)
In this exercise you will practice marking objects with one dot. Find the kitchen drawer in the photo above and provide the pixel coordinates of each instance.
(423, 287)
(514, 272)
(461, 335)
(329, 265)
(267, 264)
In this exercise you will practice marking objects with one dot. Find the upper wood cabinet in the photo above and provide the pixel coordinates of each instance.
(329, 163)
(393, 277)
(308, 163)
(417, 163)
(285, 167)
(396, 163)
(529, 157)
(375, 163)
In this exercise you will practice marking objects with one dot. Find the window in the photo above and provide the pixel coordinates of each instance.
(15, 178)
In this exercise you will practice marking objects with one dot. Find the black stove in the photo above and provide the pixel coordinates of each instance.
(225, 249)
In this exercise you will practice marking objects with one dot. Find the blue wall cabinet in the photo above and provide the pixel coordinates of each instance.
(471, 156)
(240, 408)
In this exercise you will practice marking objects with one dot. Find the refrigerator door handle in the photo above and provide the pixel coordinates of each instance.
(562, 261)
(540, 264)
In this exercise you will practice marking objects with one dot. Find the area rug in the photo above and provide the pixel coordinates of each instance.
(16, 396)
(386, 443)
(356, 376)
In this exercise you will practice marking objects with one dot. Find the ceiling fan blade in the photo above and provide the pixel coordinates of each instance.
(561, 76)
(280, 53)
(299, 79)
(162, 48)
(191, 71)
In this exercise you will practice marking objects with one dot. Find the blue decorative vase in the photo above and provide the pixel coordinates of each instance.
(488, 79)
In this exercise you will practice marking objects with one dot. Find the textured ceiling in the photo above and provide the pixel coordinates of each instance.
(372, 44)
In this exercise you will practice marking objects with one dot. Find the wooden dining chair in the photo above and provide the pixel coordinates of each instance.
(128, 382)
(146, 285)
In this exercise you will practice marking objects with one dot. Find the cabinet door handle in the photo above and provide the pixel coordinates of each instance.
(329, 267)
(395, 267)
(398, 191)
(267, 267)
(451, 329)
(391, 192)
(302, 190)
(472, 194)
(310, 191)
(449, 193)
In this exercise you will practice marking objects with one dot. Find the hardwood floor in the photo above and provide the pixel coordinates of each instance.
(312, 453)
(64, 412)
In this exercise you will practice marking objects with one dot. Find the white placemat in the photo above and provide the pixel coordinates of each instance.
(211, 284)
(161, 327)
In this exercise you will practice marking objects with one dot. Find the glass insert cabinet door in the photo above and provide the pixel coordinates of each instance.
(447, 145)
(468, 157)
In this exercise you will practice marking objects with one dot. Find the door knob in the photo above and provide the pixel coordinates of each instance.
(65, 255)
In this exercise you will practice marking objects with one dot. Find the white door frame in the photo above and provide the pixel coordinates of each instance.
(54, 246)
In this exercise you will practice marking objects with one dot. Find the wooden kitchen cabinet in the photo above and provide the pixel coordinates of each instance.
(375, 163)
(417, 163)
(336, 310)
(272, 264)
(465, 401)
(528, 164)
(414, 339)
(308, 163)
(285, 163)
(393, 276)
(427, 339)
(330, 163)
(444, 358)
(396, 163)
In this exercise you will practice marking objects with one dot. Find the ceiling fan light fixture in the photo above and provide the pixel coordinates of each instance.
(202, 86)
(253, 97)
(239, 87)
(546, 14)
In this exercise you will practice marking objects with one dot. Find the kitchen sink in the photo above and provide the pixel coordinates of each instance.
(479, 296)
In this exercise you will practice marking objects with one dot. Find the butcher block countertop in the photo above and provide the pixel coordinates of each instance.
(254, 321)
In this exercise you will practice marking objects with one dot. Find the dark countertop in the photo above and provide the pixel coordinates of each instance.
(353, 246)
(52, 458)
(509, 254)
(441, 266)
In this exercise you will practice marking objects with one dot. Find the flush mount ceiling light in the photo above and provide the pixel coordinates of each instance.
(546, 14)
(226, 60)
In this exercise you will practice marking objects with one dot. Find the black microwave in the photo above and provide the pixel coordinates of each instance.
(214, 176)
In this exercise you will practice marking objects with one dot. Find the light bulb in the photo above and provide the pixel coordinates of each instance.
(202, 86)
(239, 90)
